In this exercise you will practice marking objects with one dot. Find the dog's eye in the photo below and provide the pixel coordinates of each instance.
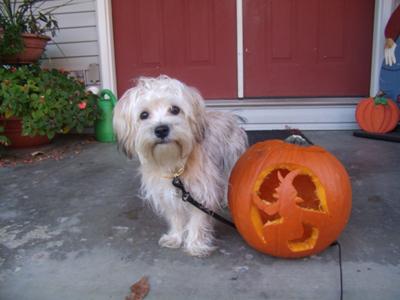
(175, 110)
(144, 115)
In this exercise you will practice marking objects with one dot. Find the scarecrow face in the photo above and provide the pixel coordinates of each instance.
(289, 200)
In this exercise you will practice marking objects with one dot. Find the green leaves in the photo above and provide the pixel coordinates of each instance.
(380, 100)
(48, 101)
(3, 139)
(26, 16)
(11, 42)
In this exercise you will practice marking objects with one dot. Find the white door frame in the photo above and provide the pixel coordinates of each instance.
(239, 39)
(383, 10)
(106, 45)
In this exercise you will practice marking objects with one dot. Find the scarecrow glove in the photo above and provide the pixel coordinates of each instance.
(390, 58)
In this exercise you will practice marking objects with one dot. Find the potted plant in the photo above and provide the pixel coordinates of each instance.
(23, 28)
(42, 103)
(4, 141)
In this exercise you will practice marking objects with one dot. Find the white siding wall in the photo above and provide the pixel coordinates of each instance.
(75, 46)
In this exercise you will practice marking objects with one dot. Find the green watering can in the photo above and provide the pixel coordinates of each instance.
(103, 127)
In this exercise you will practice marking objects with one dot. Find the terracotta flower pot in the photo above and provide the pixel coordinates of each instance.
(34, 46)
(13, 130)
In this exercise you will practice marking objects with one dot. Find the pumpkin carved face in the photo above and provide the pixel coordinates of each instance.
(288, 200)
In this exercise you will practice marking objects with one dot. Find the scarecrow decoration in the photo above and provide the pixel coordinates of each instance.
(390, 73)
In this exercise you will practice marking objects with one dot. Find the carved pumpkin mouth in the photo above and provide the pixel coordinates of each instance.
(287, 197)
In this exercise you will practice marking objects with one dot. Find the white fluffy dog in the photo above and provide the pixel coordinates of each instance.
(166, 124)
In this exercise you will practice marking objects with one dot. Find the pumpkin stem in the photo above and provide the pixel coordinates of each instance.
(380, 100)
(296, 139)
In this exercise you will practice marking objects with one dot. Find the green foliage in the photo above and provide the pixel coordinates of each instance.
(11, 42)
(25, 16)
(4, 141)
(380, 100)
(47, 101)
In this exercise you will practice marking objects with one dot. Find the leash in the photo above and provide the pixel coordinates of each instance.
(186, 197)
(336, 243)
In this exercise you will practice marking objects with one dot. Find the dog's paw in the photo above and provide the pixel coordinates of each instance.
(170, 241)
(199, 249)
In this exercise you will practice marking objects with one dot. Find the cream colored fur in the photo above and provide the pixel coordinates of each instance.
(206, 143)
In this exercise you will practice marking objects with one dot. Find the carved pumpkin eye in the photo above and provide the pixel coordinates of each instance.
(289, 200)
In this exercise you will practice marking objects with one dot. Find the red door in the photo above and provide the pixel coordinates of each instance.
(292, 47)
(192, 40)
(307, 47)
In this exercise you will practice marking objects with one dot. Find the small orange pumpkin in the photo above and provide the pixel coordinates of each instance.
(377, 115)
(289, 200)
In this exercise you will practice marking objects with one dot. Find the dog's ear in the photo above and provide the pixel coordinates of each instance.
(197, 118)
(123, 124)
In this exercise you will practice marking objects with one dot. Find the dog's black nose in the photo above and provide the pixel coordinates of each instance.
(161, 131)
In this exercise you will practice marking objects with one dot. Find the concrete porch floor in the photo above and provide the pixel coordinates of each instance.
(75, 229)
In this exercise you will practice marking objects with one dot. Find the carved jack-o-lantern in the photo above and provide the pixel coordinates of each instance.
(289, 200)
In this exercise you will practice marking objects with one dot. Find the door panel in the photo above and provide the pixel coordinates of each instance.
(307, 47)
(194, 41)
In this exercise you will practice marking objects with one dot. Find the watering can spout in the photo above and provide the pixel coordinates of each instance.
(104, 124)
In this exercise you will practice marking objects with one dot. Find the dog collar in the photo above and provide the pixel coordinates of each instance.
(177, 173)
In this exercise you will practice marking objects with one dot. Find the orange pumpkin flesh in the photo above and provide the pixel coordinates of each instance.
(377, 115)
(288, 200)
